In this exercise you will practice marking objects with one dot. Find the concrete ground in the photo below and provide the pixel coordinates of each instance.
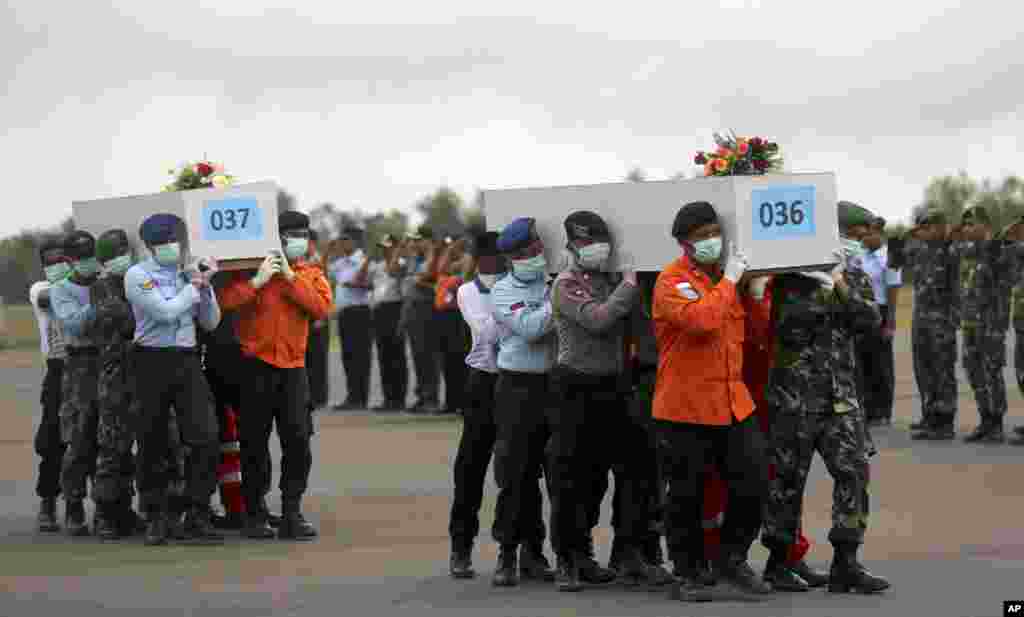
(946, 529)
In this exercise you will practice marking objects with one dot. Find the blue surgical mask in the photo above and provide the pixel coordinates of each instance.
(118, 265)
(708, 251)
(87, 267)
(530, 269)
(167, 254)
(593, 256)
(295, 248)
(57, 272)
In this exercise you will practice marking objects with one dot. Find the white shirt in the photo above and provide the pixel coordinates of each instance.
(876, 266)
(478, 312)
(386, 286)
(51, 344)
(343, 270)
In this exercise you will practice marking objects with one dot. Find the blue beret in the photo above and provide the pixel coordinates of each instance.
(516, 235)
(161, 229)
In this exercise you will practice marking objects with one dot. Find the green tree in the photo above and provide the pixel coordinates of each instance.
(950, 194)
(442, 211)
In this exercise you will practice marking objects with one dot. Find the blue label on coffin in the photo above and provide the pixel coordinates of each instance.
(780, 212)
(238, 218)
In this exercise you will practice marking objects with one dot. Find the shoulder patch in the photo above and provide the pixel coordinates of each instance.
(687, 291)
(147, 285)
(518, 305)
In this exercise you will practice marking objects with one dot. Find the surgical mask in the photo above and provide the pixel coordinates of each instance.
(593, 256)
(530, 269)
(296, 247)
(707, 251)
(87, 267)
(488, 279)
(57, 272)
(118, 265)
(852, 248)
(167, 254)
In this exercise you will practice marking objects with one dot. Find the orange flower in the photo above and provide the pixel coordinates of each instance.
(721, 164)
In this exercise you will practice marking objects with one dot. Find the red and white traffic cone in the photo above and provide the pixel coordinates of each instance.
(229, 471)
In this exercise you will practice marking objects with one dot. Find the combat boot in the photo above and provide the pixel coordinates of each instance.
(256, 526)
(567, 577)
(294, 527)
(129, 523)
(47, 518)
(105, 522)
(74, 518)
(533, 565)
(1019, 430)
(737, 572)
(935, 433)
(505, 573)
(156, 530)
(781, 576)
(657, 575)
(981, 433)
(812, 577)
(198, 528)
(1017, 440)
(592, 572)
(848, 575)
(460, 564)
(686, 585)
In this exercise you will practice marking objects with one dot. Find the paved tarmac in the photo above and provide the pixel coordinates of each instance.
(946, 528)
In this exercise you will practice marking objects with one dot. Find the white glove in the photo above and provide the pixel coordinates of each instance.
(268, 268)
(627, 265)
(826, 280)
(757, 287)
(736, 266)
(286, 269)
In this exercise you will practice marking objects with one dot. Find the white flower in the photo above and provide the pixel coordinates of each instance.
(220, 181)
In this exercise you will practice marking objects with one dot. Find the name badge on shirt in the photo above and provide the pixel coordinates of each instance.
(687, 291)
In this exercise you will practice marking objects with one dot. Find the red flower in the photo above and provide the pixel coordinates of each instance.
(700, 159)
(204, 169)
(760, 164)
(756, 142)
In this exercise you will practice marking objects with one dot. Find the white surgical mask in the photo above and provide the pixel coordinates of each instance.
(530, 269)
(488, 279)
(852, 248)
(708, 251)
(295, 248)
(594, 256)
(57, 272)
(118, 265)
(87, 267)
(167, 254)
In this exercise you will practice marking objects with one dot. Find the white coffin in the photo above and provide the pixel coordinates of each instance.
(797, 228)
(236, 225)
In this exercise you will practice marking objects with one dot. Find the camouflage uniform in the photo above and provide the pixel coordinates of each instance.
(814, 400)
(1017, 317)
(984, 322)
(934, 268)
(115, 328)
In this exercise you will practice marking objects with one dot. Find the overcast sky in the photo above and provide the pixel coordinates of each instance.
(376, 103)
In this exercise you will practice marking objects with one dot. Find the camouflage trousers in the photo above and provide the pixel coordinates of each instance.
(78, 423)
(1018, 359)
(115, 465)
(984, 359)
(840, 441)
(934, 354)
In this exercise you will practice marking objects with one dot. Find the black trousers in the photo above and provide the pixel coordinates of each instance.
(419, 325)
(875, 355)
(521, 436)
(391, 358)
(647, 494)
(275, 395)
(355, 333)
(453, 341)
(317, 352)
(174, 377)
(739, 452)
(48, 444)
(591, 434)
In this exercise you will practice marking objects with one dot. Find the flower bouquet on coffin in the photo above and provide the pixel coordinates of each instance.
(200, 175)
(740, 156)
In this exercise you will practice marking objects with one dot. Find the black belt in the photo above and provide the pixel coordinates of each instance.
(167, 350)
(83, 351)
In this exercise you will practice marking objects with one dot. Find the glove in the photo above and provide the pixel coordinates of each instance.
(268, 269)
(627, 265)
(736, 266)
(758, 285)
(825, 279)
(286, 269)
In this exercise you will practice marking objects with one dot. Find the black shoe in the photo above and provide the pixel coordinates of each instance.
(105, 522)
(848, 575)
(505, 573)
(879, 422)
(592, 573)
(156, 530)
(129, 523)
(1016, 441)
(533, 565)
(783, 578)
(349, 406)
(813, 578)
(175, 526)
(387, 407)
(230, 520)
(986, 433)
(256, 527)
(74, 519)
(1019, 430)
(47, 519)
(686, 587)
(295, 527)
(199, 530)
(460, 564)
(919, 425)
(740, 575)
(935, 433)
(567, 577)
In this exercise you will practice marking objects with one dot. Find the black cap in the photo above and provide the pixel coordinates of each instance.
(292, 220)
(691, 216)
(80, 245)
(584, 224)
(112, 243)
(51, 242)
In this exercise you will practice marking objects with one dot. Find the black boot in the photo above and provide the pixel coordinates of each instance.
(256, 526)
(630, 567)
(175, 519)
(847, 574)
(129, 523)
(686, 585)
(156, 529)
(533, 565)
(567, 578)
(737, 572)
(781, 576)
(987, 432)
(592, 572)
(74, 518)
(944, 432)
(658, 576)
(294, 527)
(460, 564)
(105, 522)
(47, 518)
(814, 578)
(505, 573)
(198, 528)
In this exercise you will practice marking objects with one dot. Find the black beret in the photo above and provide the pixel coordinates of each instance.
(80, 245)
(161, 229)
(52, 242)
(692, 216)
(291, 220)
(112, 243)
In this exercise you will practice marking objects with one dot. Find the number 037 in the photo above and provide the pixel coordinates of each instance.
(229, 218)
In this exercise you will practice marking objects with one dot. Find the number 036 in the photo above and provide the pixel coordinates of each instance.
(780, 213)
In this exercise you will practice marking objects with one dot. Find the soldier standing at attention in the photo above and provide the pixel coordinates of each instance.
(933, 261)
(1015, 235)
(48, 444)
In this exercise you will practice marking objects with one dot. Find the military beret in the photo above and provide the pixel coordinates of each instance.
(517, 235)
(80, 245)
(161, 229)
(850, 214)
(691, 216)
(486, 244)
(52, 242)
(111, 243)
(291, 220)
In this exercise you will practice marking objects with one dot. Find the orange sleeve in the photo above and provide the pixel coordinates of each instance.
(310, 291)
(700, 314)
(236, 294)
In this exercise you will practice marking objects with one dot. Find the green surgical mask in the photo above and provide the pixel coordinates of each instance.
(708, 251)
(87, 267)
(167, 254)
(852, 248)
(118, 265)
(296, 247)
(57, 272)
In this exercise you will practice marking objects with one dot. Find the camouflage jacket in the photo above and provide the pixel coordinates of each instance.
(115, 322)
(986, 282)
(815, 369)
(1016, 255)
(935, 270)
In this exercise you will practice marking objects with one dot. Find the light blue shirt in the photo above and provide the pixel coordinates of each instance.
(343, 270)
(527, 342)
(71, 307)
(876, 265)
(167, 306)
